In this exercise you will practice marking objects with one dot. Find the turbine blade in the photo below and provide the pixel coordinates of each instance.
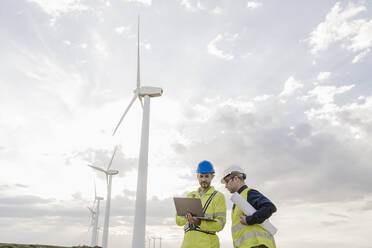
(140, 99)
(126, 111)
(112, 158)
(138, 56)
(95, 191)
(97, 168)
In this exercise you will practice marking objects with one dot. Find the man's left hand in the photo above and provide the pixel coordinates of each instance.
(243, 220)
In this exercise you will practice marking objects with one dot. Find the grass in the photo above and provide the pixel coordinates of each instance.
(5, 245)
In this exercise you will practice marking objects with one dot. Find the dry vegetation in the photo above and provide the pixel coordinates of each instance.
(3, 245)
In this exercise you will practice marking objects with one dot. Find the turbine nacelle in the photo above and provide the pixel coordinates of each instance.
(112, 172)
(149, 91)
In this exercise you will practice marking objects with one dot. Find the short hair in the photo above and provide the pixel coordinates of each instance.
(240, 175)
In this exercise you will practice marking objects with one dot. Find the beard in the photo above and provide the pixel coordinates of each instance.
(205, 185)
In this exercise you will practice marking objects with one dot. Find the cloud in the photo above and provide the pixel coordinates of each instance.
(29, 206)
(161, 208)
(326, 94)
(146, 3)
(51, 79)
(367, 206)
(362, 39)
(192, 5)
(58, 8)
(23, 200)
(261, 98)
(281, 143)
(5, 187)
(334, 223)
(29, 230)
(360, 56)
(146, 45)
(341, 26)
(122, 29)
(65, 86)
(100, 46)
(336, 26)
(218, 10)
(122, 206)
(227, 40)
(323, 75)
(290, 86)
(67, 42)
(354, 117)
(253, 4)
(101, 158)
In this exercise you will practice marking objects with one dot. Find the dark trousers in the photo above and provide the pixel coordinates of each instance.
(260, 246)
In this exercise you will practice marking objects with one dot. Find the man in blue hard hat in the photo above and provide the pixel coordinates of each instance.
(198, 232)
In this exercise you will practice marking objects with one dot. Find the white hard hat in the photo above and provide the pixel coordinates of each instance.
(231, 169)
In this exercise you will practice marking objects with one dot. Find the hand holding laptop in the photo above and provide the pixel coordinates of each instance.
(190, 206)
(192, 220)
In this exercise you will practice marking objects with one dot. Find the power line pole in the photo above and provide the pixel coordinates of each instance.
(154, 239)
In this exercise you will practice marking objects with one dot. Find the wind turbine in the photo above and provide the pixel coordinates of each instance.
(146, 93)
(95, 215)
(109, 173)
(92, 218)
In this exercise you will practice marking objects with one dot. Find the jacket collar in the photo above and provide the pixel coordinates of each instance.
(242, 188)
(209, 192)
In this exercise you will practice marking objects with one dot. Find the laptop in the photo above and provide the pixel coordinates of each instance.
(186, 205)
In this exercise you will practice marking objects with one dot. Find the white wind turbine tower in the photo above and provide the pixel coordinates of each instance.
(92, 218)
(95, 216)
(138, 240)
(109, 173)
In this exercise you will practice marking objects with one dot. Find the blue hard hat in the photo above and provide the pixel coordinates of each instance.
(205, 167)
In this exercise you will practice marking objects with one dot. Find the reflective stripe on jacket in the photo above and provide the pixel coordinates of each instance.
(248, 235)
(204, 236)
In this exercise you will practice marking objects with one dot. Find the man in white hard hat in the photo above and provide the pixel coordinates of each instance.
(245, 229)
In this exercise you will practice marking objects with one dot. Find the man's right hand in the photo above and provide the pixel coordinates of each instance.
(192, 220)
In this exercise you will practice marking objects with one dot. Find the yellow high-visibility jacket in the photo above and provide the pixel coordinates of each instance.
(248, 235)
(204, 236)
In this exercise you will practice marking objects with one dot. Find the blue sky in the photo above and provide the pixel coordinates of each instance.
(282, 88)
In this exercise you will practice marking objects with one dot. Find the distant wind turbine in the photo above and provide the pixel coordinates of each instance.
(154, 239)
(149, 239)
(92, 218)
(140, 207)
(109, 173)
(95, 216)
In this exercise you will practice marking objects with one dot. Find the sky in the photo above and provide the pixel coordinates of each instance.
(281, 88)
